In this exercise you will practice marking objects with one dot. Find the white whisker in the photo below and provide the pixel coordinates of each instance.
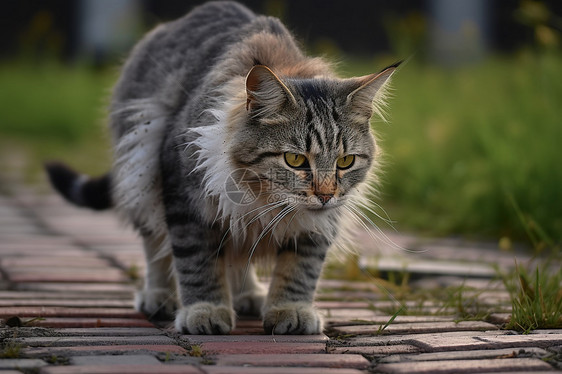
(381, 237)
(282, 214)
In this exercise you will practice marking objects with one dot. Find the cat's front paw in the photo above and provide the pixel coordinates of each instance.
(157, 303)
(292, 318)
(205, 319)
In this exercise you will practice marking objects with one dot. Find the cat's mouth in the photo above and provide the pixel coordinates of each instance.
(319, 207)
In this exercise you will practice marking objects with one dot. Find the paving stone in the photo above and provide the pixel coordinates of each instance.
(416, 328)
(213, 348)
(465, 366)
(470, 355)
(21, 363)
(68, 312)
(499, 318)
(442, 342)
(65, 275)
(106, 288)
(428, 266)
(375, 319)
(92, 261)
(538, 339)
(383, 350)
(89, 322)
(99, 303)
(546, 331)
(66, 341)
(234, 339)
(295, 359)
(556, 349)
(343, 305)
(114, 360)
(103, 349)
(58, 295)
(274, 370)
(456, 340)
(135, 331)
(122, 369)
(324, 295)
(248, 327)
(348, 314)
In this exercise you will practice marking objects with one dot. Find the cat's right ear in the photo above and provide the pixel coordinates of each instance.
(266, 93)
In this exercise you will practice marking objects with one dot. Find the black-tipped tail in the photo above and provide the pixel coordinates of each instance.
(94, 193)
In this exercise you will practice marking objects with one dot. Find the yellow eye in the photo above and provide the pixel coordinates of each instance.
(345, 162)
(294, 160)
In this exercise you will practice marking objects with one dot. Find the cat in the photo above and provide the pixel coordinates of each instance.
(231, 146)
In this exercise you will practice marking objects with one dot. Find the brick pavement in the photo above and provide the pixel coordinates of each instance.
(67, 278)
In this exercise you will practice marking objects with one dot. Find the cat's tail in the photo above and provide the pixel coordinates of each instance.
(79, 189)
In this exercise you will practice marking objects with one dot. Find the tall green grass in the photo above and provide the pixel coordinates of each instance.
(52, 111)
(462, 145)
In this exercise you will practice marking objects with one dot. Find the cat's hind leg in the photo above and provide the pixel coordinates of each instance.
(158, 297)
(249, 294)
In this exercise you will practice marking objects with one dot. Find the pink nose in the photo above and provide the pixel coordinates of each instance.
(324, 198)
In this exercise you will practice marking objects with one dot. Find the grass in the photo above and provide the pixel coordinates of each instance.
(11, 350)
(50, 111)
(536, 298)
(462, 143)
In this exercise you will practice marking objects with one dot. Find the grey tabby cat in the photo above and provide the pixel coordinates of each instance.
(230, 146)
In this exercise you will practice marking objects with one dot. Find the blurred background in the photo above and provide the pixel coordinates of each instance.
(474, 134)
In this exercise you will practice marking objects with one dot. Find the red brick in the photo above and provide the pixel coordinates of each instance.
(416, 328)
(70, 303)
(248, 327)
(470, 355)
(274, 370)
(122, 369)
(348, 314)
(295, 359)
(383, 350)
(475, 340)
(90, 322)
(67, 275)
(466, 366)
(69, 312)
(70, 341)
(85, 261)
(536, 340)
(109, 331)
(235, 339)
(261, 347)
(89, 288)
(343, 305)
(339, 318)
(101, 349)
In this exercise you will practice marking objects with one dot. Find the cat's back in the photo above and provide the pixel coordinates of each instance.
(182, 48)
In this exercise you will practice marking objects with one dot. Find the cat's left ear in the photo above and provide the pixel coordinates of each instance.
(266, 93)
(371, 92)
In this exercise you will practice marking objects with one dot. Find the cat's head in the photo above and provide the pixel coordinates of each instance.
(306, 142)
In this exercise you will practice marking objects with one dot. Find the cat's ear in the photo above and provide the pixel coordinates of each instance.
(369, 96)
(266, 93)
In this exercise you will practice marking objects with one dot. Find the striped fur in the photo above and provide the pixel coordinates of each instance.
(204, 111)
